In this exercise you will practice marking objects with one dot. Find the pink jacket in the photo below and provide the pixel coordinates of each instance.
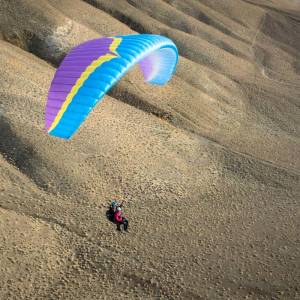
(118, 216)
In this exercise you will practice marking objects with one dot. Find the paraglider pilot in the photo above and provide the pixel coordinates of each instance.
(120, 220)
(115, 215)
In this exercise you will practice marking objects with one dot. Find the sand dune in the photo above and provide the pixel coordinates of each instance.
(208, 165)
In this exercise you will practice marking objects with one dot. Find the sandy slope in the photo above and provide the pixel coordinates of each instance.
(208, 165)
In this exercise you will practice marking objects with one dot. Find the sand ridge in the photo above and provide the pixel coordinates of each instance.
(208, 165)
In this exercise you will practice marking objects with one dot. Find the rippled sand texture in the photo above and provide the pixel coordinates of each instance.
(208, 165)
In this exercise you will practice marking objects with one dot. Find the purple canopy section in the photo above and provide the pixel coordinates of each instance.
(66, 76)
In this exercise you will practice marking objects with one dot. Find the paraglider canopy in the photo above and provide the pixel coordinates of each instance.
(89, 70)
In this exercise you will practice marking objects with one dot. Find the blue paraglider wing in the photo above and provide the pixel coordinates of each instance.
(89, 70)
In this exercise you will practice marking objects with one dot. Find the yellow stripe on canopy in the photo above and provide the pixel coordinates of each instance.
(84, 76)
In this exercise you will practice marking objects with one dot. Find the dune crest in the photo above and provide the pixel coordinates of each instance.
(208, 165)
